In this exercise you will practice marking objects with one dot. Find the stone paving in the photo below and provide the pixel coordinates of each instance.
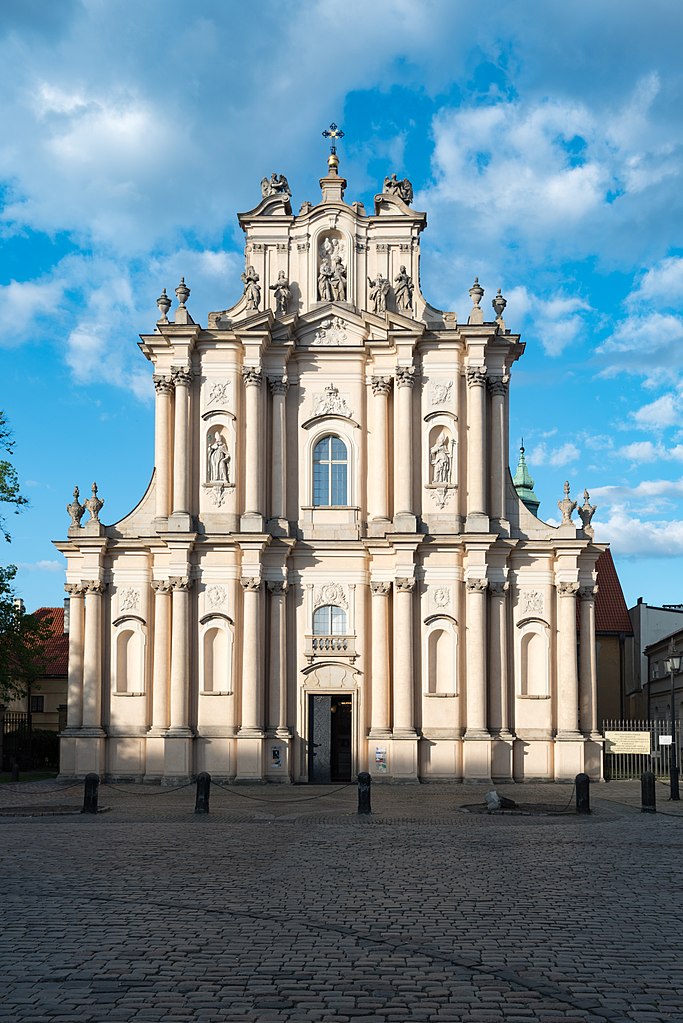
(280, 907)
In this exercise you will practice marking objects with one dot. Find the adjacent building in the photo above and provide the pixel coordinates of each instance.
(331, 570)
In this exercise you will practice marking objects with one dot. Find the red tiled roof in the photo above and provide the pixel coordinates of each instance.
(57, 645)
(611, 612)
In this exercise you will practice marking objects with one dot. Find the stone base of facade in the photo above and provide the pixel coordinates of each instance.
(166, 758)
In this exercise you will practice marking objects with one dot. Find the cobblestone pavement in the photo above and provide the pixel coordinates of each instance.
(280, 907)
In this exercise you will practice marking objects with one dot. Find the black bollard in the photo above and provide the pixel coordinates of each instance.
(90, 793)
(648, 796)
(364, 783)
(203, 789)
(583, 797)
(15, 771)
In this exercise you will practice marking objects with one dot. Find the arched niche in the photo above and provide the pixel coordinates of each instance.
(440, 656)
(533, 658)
(216, 644)
(333, 247)
(129, 642)
(218, 469)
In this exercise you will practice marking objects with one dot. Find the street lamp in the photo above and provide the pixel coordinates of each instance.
(673, 666)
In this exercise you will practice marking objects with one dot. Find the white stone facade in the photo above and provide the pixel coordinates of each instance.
(331, 570)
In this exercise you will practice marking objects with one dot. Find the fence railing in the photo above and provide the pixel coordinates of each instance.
(622, 766)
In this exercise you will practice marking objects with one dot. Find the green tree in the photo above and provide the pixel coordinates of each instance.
(22, 636)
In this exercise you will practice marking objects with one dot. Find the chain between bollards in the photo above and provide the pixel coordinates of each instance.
(583, 798)
(648, 797)
(90, 793)
(203, 791)
(364, 783)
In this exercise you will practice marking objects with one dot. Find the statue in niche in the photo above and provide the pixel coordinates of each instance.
(330, 248)
(338, 280)
(403, 189)
(277, 185)
(325, 275)
(441, 458)
(219, 459)
(379, 289)
(403, 290)
(282, 293)
(252, 288)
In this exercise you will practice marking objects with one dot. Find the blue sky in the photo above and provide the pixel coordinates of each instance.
(544, 140)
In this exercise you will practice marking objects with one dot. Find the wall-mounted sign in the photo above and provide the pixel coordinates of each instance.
(665, 740)
(380, 759)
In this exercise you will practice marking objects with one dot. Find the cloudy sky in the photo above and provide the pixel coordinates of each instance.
(543, 138)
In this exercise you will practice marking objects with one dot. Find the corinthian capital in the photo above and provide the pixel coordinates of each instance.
(162, 585)
(180, 583)
(182, 376)
(499, 589)
(476, 376)
(252, 376)
(498, 385)
(405, 585)
(75, 589)
(278, 385)
(278, 587)
(380, 385)
(162, 384)
(587, 592)
(250, 584)
(477, 585)
(94, 586)
(380, 589)
(405, 376)
(567, 589)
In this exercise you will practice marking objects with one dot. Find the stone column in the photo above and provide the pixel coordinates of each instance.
(403, 446)
(277, 687)
(379, 719)
(92, 656)
(163, 386)
(278, 485)
(499, 713)
(476, 659)
(588, 676)
(180, 655)
(403, 657)
(477, 459)
(498, 387)
(74, 713)
(379, 451)
(567, 675)
(251, 658)
(253, 451)
(162, 649)
(182, 378)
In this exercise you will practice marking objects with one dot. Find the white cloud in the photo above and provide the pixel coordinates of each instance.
(647, 346)
(658, 414)
(661, 284)
(631, 536)
(22, 304)
(566, 454)
(41, 566)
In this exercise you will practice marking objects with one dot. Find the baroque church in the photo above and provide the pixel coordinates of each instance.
(331, 570)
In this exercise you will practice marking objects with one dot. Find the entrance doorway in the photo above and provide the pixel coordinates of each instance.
(329, 739)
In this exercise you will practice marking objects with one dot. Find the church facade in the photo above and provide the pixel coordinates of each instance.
(331, 570)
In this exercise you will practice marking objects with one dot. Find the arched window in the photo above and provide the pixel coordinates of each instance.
(329, 620)
(330, 473)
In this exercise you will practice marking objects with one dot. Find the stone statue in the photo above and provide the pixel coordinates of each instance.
(276, 185)
(282, 293)
(566, 506)
(403, 291)
(441, 457)
(325, 275)
(219, 459)
(94, 505)
(75, 509)
(403, 189)
(338, 280)
(379, 289)
(586, 512)
(252, 288)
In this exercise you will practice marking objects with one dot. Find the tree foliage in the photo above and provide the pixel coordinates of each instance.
(22, 636)
(9, 479)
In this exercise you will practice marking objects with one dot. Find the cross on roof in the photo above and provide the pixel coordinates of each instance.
(334, 133)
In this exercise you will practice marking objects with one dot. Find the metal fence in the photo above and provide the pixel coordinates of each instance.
(624, 766)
